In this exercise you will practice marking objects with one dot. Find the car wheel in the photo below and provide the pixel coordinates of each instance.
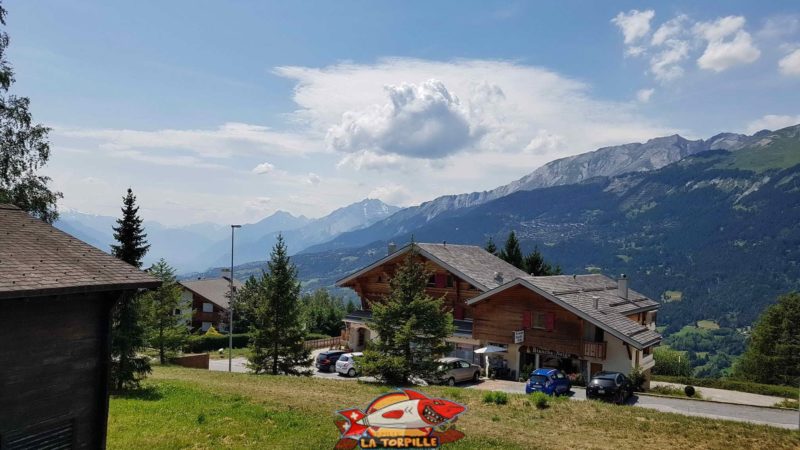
(451, 381)
(351, 373)
(620, 398)
(476, 377)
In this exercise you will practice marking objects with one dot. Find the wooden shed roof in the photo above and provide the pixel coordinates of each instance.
(38, 259)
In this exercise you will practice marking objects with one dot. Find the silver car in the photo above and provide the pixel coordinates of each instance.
(457, 370)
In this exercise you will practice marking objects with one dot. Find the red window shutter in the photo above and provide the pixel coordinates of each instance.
(441, 280)
(526, 319)
(550, 321)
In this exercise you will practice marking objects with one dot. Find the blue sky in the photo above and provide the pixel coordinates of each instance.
(228, 111)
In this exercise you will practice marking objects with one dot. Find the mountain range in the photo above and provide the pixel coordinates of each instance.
(712, 227)
(196, 247)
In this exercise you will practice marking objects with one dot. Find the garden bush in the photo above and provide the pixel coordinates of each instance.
(540, 400)
(498, 398)
(199, 344)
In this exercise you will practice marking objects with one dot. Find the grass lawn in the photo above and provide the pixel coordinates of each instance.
(237, 352)
(707, 325)
(188, 408)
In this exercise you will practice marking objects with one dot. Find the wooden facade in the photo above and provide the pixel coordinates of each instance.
(54, 368)
(560, 331)
(373, 286)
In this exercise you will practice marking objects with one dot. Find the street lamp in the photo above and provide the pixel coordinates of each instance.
(230, 308)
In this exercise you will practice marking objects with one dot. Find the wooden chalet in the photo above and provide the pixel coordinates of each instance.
(209, 300)
(578, 323)
(57, 293)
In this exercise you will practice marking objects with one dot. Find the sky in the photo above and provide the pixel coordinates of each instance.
(228, 111)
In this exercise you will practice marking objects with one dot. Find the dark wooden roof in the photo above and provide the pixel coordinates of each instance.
(469, 262)
(215, 290)
(577, 294)
(38, 259)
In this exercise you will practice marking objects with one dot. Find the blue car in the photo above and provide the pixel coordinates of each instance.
(549, 381)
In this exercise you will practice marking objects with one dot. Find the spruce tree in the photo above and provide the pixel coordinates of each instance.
(278, 335)
(490, 246)
(773, 353)
(24, 148)
(535, 264)
(128, 332)
(411, 326)
(511, 252)
(168, 330)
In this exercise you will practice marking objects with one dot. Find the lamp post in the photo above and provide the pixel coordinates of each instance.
(230, 308)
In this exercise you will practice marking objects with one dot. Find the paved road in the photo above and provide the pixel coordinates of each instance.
(741, 413)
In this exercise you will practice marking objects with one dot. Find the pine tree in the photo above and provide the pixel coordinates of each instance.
(244, 303)
(490, 247)
(511, 252)
(129, 233)
(24, 148)
(127, 328)
(411, 327)
(278, 335)
(535, 264)
(773, 353)
(168, 330)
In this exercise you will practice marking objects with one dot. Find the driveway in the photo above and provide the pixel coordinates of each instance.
(741, 413)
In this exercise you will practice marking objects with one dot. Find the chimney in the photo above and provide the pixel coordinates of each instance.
(498, 276)
(622, 286)
(596, 302)
(392, 248)
(444, 243)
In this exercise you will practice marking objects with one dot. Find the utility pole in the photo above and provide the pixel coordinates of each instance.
(230, 308)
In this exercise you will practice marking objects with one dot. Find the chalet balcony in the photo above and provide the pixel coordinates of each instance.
(594, 349)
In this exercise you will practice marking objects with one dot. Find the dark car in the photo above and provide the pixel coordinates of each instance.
(326, 361)
(612, 386)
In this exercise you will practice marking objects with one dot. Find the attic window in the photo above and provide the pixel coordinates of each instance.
(450, 281)
(432, 281)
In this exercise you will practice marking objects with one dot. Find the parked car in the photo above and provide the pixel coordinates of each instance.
(613, 386)
(346, 365)
(457, 370)
(326, 361)
(549, 381)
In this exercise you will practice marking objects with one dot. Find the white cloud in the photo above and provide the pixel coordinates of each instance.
(670, 30)
(544, 142)
(777, 27)
(228, 139)
(772, 122)
(634, 24)
(263, 168)
(666, 64)
(643, 95)
(790, 64)
(393, 194)
(419, 120)
(313, 178)
(723, 52)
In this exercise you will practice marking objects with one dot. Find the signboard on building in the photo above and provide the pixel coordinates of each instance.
(519, 336)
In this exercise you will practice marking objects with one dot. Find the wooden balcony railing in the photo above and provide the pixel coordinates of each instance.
(594, 349)
(331, 342)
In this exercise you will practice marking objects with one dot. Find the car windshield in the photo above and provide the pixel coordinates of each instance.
(541, 379)
(603, 382)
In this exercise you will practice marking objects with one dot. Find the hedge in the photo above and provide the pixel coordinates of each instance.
(198, 344)
(315, 336)
(733, 385)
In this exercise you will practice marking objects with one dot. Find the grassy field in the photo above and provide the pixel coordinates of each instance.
(185, 408)
(707, 325)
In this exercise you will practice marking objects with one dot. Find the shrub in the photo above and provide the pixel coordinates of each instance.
(788, 403)
(498, 398)
(734, 385)
(212, 331)
(540, 400)
(689, 391)
(199, 344)
(637, 378)
(315, 336)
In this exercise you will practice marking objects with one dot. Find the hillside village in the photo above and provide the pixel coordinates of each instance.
(194, 287)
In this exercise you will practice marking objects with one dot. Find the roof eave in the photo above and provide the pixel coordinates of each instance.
(85, 289)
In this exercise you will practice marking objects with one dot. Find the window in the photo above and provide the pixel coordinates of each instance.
(177, 311)
(208, 307)
(463, 364)
(559, 376)
(450, 281)
(539, 320)
(647, 351)
(205, 326)
(432, 281)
